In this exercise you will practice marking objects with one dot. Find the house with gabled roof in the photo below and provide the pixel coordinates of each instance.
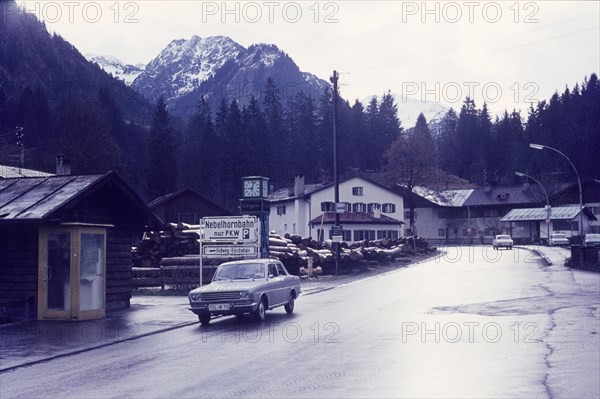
(65, 245)
(185, 206)
(469, 215)
(367, 209)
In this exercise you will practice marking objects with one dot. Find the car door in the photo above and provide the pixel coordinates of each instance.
(287, 282)
(275, 284)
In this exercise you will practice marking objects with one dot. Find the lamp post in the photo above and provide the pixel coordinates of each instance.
(547, 201)
(541, 147)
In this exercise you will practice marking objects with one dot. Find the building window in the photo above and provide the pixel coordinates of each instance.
(360, 235)
(358, 191)
(565, 225)
(293, 228)
(320, 235)
(373, 206)
(348, 206)
(346, 236)
(441, 232)
(359, 207)
(285, 227)
(281, 210)
(388, 208)
(392, 234)
(407, 233)
(327, 206)
(189, 218)
(407, 214)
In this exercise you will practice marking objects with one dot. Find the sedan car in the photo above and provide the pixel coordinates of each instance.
(502, 240)
(592, 240)
(246, 287)
(558, 239)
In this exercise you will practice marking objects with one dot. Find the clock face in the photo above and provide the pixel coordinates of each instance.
(251, 188)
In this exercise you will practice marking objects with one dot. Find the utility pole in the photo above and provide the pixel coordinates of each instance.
(336, 181)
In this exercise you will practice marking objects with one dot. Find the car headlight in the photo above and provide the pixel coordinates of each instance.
(196, 297)
(245, 295)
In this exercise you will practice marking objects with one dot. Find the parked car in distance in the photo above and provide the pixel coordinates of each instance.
(558, 239)
(502, 240)
(592, 240)
(246, 287)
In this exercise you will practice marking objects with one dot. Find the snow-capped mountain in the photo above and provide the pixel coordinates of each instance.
(409, 109)
(116, 67)
(218, 68)
(184, 64)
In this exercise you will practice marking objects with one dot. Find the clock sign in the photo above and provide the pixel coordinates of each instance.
(255, 187)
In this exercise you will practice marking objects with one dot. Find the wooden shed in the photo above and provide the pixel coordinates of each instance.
(65, 245)
(185, 206)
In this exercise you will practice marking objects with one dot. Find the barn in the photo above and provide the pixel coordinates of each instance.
(65, 245)
(185, 206)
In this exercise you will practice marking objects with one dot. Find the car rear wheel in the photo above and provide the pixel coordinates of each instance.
(289, 307)
(204, 319)
(260, 312)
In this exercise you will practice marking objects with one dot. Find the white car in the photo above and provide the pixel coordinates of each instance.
(592, 240)
(558, 239)
(502, 240)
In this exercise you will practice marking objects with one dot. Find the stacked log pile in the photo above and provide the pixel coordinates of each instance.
(307, 256)
(173, 241)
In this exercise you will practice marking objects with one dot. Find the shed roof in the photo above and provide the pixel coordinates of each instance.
(568, 212)
(168, 197)
(40, 198)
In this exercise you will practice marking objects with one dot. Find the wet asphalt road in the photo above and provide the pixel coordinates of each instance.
(473, 323)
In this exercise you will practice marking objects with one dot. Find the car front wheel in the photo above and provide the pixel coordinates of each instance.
(260, 312)
(289, 307)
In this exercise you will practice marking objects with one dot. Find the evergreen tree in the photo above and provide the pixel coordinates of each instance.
(198, 151)
(411, 161)
(162, 167)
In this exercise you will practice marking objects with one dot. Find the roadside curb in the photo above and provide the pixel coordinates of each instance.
(546, 260)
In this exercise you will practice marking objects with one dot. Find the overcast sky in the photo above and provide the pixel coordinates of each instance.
(505, 52)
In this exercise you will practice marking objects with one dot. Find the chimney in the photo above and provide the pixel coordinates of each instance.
(63, 166)
(377, 212)
(298, 185)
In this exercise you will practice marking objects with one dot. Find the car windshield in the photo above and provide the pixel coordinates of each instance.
(241, 271)
(592, 237)
(503, 237)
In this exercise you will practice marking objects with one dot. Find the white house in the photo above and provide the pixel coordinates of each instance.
(371, 210)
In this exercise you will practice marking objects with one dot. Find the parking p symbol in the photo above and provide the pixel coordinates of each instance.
(246, 234)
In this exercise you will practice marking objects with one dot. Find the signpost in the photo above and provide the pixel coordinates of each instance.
(337, 233)
(241, 229)
(228, 236)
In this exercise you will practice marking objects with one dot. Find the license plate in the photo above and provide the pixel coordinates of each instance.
(218, 306)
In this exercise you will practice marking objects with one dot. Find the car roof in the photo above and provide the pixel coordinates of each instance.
(246, 261)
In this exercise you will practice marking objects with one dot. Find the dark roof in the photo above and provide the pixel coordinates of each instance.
(482, 196)
(569, 212)
(355, 218)
(287, 194)
(168, 197)
(41, 198)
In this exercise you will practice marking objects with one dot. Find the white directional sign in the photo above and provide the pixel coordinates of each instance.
(243, 229)
(230, 250)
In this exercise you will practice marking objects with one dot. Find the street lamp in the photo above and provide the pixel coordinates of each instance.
(547, 201)
(541, 147)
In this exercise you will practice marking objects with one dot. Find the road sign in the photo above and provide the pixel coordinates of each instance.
(340, 207)
(255, 206)
(231, 229)
(230, 250)
(337, 233)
